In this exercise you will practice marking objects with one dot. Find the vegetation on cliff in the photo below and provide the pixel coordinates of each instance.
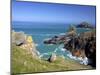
(23, 62)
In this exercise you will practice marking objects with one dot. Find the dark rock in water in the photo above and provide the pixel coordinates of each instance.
(52, 57)
(55, 36)
(49, 41)
(54, 40)
(84, 25)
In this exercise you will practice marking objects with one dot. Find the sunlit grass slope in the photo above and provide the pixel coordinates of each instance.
(23, 62)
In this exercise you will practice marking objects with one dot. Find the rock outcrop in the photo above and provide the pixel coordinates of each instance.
(82, 45)
(62, 38)
(24, 41)
(55, 40)
(84, 25)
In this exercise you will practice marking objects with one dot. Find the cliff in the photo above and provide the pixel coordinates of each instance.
(24, 41)
(81, 45)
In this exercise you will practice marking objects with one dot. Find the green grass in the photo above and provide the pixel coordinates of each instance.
(23, 62)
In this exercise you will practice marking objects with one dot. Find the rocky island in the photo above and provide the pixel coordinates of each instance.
(85, 25)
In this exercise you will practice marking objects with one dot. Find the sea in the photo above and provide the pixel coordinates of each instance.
(42, 31)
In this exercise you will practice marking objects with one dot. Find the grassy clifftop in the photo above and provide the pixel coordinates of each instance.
(24, 62)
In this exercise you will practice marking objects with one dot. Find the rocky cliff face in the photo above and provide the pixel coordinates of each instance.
(24, 41)
(81, 46)
(84, 46)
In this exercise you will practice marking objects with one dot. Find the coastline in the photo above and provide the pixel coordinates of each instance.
(23, 56)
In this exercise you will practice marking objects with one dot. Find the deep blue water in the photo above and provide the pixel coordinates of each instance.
(41, 32)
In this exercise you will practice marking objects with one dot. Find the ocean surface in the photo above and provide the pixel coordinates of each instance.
(40, 32)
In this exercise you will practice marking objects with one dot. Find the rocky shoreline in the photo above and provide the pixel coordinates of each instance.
(25, 57)
(80, 45)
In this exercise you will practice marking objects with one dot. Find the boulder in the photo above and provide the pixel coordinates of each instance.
(24, 41)
(52, 57)
(18, 38)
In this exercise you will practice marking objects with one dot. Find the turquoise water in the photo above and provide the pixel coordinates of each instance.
(39, 34)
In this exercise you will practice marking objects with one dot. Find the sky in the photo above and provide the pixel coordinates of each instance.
(52, 12)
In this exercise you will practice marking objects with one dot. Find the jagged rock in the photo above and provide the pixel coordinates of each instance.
(55, 40)
(50, 41)
(90, 51)
(79, 53)
(84, 25)
(18, 38)
(25, 42)
(84, 45)
(79, 45)
(88, 34)
(71, 34)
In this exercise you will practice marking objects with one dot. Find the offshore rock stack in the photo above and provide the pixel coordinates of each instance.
(85, 25)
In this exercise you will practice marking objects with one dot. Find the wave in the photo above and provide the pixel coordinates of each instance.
(43, 34)
(62, 33)
(68, 54)
(36, 44)
(79, 59)
(63, 49)
(44, 54)
(55, 50)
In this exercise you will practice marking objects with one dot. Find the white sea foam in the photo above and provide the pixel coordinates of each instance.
(62, 34)
(60, 47)
(43, 55)
(48, 34)
(56, 50)
(49, 44)
(69, 54)
(80, 59)
(36, 44)
(63, 49)
(84, 61)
